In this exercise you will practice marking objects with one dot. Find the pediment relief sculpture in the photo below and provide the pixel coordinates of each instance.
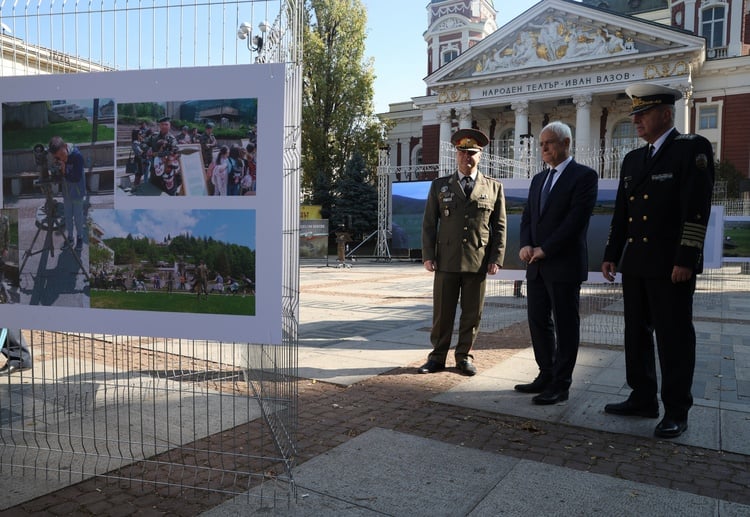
(554, 41)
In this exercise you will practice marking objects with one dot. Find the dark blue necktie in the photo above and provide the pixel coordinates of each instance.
(468, 186)
(546, 189)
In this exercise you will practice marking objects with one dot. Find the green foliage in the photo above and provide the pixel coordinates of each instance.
(726, 171)
(143, 256)
(356, 199)
(76, 132)
(337, 110)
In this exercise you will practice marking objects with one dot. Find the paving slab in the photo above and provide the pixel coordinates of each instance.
(384, 472)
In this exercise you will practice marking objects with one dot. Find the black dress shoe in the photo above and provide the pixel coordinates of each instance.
(670, 428)
(630, 408)
(550, 396)
(431, 367)
(538, 385)
(12, 368)
(467, 368)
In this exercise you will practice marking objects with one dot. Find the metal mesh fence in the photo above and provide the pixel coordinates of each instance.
(174, 413)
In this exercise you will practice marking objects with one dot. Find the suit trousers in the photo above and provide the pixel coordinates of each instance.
(656, 305)
(16, 349)
(554, 323)
(448, 290)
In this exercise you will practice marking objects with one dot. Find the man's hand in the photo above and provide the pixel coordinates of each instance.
(526, 253)
(681, 274)
(430, 265)
(609, 269)
(537, 254)
(492, 268)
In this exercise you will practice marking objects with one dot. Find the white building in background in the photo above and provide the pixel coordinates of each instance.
(571, 61)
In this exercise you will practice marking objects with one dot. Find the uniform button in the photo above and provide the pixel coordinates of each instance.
(645, 239)
(630, 219)
(464, 241)
(632, 198)
(466, 228)
(645, 196)
(645, 218)
(630, 239)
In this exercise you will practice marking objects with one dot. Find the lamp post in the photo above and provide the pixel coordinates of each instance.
(254, 43)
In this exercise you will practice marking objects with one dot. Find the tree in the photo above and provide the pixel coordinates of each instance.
(726, 171)
(356, 199)
(337, 109)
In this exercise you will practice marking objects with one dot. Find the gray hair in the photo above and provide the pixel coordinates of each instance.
(560, 129)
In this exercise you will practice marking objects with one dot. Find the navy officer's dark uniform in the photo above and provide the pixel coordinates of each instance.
(461, 235)
(659, 223)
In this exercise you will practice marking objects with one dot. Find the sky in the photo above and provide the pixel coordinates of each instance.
(394, 40)
(229, 226)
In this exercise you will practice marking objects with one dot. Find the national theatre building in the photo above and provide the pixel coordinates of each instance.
(571, 61)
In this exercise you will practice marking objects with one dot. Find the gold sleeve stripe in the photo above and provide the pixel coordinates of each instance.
(693, 235)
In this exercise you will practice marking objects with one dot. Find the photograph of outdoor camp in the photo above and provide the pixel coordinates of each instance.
(199, 261)
(192, 148)
(58, 166)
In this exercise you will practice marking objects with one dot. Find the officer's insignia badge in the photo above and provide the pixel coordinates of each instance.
(701, 161)
(626, 181)
(444, 189)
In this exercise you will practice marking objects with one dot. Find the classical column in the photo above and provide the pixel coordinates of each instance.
(689, 15)
(521, 108)
(464, 117)
(583, 125)
(444, 116)
(682, 109)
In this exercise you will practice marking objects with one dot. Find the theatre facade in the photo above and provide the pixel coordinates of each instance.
(571, 61)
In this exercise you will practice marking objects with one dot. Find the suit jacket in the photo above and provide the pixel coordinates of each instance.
(464, 235)
(560, 229)
(662, 207)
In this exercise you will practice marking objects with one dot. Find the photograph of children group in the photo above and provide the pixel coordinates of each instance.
(192, 148)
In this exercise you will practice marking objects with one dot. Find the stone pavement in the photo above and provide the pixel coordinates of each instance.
(376, 438)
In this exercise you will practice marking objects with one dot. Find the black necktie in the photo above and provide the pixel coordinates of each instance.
(649, 153)
(468, 186)
(547, 188)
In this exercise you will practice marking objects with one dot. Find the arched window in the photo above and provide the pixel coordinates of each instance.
(416, 155)
(713, 23)
(624, 136)
(448, 53)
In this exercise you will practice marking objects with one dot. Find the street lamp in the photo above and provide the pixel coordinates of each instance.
(254, 43)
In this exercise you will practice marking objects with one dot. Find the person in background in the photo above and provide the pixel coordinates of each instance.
(656, 238)
(71, 163)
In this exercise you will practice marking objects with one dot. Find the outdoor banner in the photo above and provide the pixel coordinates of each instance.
(313, 238)
(409, 199)
(134, 202)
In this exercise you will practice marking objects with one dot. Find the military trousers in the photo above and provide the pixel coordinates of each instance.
(450, 289)
(657, 307)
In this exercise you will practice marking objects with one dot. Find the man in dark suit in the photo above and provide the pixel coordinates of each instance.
(656, 236)
(553, 245)
(463, 239)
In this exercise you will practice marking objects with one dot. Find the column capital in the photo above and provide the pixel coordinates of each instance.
(520, 107)
(444, 115)
(582, 100)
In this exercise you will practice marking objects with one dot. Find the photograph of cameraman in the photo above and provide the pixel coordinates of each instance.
(70, 162)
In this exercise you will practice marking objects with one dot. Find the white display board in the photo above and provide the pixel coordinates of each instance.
(61, 288)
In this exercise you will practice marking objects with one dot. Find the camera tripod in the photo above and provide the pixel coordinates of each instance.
(50, 219)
